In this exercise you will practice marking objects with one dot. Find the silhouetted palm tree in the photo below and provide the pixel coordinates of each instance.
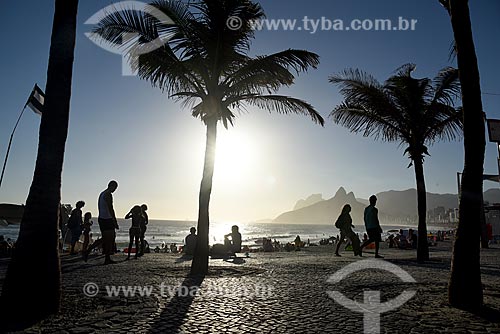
(33, 276)
(413, 112)
(465, 289)
(206, 64)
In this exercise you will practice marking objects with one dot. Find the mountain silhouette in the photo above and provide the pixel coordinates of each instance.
(313, 199)
(394, 207)
(326, 211)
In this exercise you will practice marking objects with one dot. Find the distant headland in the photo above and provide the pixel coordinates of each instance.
(395, 207)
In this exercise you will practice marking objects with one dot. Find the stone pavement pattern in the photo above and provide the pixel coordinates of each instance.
(267, 293)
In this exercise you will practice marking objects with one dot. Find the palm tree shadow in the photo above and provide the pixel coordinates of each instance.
(489, 314)
(184, 258)
(174, 314)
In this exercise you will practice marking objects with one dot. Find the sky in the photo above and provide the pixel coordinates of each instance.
(122, 128)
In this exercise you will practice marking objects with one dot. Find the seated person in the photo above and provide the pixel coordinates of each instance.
(298, 243)
(190, 242)
(233, 245)
(402, 240)
(392, 242)
(413, 240)
(267, 245)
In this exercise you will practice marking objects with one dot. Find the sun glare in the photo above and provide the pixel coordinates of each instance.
(235, 158)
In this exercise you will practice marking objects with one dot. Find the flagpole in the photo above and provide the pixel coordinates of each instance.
(10, 143)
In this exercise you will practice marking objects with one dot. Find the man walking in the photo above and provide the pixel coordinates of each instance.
(372, 226)
(107, 221)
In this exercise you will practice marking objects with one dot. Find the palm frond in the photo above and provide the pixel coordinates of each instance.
(415, 112)
(120, 21)
(446, 86)
(447, 125)
(368, 122)
(275, 67)
(187, 99)
(364, 91)
(361, 88)
(405, 70)
(298, 60)
(164, 70)
(215, 15)
(282, 105)
(203, 59)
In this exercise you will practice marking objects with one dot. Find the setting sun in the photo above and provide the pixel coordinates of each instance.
(235, 157)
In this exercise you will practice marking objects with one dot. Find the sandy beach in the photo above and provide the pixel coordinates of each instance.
(279, 292)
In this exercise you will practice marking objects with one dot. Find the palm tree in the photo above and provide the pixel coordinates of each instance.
(413, 112)
(465, 289)
(206, 64)
(34, 273)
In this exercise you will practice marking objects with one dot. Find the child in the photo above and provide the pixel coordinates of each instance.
(87, 223)
(135, 230)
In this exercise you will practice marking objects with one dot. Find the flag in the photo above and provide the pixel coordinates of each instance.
(36, 100)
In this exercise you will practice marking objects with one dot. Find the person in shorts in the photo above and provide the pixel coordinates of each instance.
(107, 221)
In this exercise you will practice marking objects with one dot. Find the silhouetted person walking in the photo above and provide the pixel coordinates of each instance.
(75, 225)
(107, 220)
(344, 224)
(372, 226)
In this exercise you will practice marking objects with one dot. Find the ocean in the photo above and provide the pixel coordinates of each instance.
(173, 231)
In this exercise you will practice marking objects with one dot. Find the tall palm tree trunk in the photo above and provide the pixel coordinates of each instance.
(199, 265)
(423, 246)
(465, 288)
(34, 276)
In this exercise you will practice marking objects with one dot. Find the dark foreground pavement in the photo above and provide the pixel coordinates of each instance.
(265, 293)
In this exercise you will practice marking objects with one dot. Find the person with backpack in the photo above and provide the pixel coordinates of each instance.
(344, 224)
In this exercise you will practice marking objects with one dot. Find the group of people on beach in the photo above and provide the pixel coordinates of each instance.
(372, 225)
(80, 224)
(403, 240)
(108, 225)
